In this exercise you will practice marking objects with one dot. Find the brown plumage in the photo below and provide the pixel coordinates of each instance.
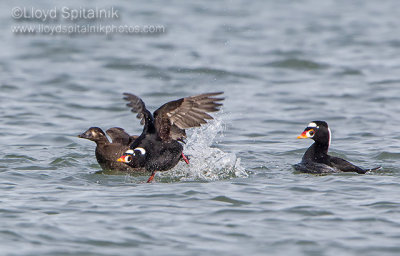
(118, 135)
(107, 153)
(172, 118)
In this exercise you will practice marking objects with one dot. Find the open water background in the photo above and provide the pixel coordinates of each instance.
(281, 65)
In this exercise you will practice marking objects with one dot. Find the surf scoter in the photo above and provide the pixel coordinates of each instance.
(107, 153)
(316, 158)
(158, 147)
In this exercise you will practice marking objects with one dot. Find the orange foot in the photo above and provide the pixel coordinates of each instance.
(185, 158)
(151, 177)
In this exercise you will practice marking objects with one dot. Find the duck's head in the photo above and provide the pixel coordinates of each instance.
(318, 131)
(94, 134)
(134, 157)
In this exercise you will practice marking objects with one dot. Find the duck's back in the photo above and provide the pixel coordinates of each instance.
(161, 155)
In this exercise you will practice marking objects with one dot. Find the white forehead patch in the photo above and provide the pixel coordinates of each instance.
(130, 151)
(312, 124)
(142, 150)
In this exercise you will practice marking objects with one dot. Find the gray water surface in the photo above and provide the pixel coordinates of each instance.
(281, 65)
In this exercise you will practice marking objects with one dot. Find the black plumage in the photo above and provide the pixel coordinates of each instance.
(157, 148)
(316, 158)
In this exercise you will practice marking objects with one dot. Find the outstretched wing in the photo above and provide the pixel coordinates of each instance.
(172, 118)
(137, 106)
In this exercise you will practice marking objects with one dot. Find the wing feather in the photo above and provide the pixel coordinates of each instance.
(346, 166)
(137, 106)
(185, 113)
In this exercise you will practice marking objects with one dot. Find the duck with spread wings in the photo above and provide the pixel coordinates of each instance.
(158, 148)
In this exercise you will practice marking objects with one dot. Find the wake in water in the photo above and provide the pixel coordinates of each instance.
(207, 163)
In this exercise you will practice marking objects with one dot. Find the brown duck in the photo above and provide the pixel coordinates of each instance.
(108, 152)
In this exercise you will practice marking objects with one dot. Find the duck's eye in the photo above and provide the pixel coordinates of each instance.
(128, 159)
(311, 133)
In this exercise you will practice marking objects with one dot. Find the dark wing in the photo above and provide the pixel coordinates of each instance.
(137, 106)
(118, 135)
(345, 166)
(172, 118)
(314, 168)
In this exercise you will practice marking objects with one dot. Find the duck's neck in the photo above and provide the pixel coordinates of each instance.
(321, 148)
(317, 152)
(102, 141)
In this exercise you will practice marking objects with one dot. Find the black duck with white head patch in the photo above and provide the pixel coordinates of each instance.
(158, 148)
(316, 159)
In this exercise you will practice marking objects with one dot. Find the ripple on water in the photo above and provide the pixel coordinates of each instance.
(63, 162)
(62, 78)
(123, 64)
(388, 155)
(208, 71)
(299, 64)
(229, 200)
(383, 205)
(8, 88)
(349, 72)
(17, 158)
(308, 211)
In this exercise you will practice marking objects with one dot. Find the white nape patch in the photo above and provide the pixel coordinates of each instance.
(329, 131)
(130, 151)
(142, 150)
(312, 124)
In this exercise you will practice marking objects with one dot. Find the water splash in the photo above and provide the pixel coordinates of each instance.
(207, 163)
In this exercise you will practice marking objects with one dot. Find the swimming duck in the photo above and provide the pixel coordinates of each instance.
(108, 152)
(316, 158)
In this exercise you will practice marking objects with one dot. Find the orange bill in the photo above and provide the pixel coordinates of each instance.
(122, 159)
(303, 135)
